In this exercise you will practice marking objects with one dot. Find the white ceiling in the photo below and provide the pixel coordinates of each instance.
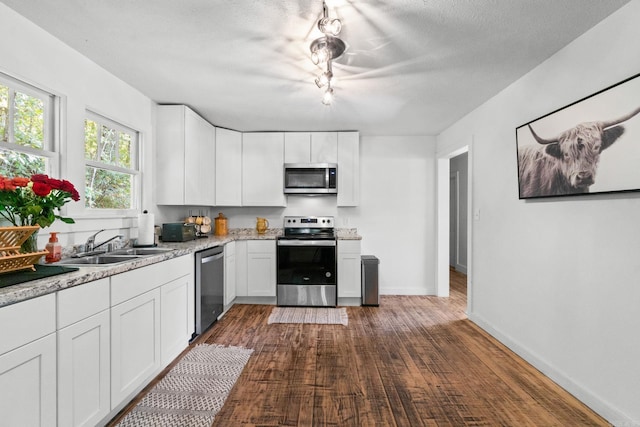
(412, 67)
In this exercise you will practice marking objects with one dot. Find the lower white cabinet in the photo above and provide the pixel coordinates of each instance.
(28, 363)
(135, 344)
(229, 273)
(349, 269)
(174, 318)
(84, 371)
(28, 384)
(84, 359)
(261, 268)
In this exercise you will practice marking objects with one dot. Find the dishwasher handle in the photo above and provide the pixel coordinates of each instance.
(212, 258)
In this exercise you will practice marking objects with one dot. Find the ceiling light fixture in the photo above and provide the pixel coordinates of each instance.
(325, 49)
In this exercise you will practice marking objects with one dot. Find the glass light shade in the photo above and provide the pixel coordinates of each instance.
(327, 98)
(324, 79)
(330, 26)
(320, 56)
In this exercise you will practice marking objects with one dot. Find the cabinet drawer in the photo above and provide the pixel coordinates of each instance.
(136, 282)
(349, 246)
(27, 321)
(261, 246)
(80, 302)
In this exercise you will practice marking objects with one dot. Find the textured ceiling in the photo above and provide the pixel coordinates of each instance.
(412, 67)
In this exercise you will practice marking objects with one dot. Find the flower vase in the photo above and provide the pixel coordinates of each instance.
(31, 244)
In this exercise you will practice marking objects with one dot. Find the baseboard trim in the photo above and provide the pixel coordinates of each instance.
(602, 408)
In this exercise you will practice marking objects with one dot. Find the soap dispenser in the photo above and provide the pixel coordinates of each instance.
(53, 248)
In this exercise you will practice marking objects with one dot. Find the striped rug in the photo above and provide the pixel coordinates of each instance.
(193, 392)
(319, 315)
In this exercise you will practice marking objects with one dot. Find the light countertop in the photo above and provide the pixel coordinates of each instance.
(24, 291)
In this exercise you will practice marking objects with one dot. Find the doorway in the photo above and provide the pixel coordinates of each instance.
(447, 164)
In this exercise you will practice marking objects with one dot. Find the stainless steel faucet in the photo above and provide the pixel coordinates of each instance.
(110, 245)
(91, 240)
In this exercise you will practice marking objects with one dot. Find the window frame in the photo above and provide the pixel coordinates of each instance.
(50, 150)
(136, 164)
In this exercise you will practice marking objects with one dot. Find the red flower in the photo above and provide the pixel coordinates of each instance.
(41, 189)
(19, 181)
(55, 184)
(69, 188)
(39, 177)
(35, 201)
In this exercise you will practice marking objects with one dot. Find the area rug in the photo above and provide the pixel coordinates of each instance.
(193, 392)
(320, 315)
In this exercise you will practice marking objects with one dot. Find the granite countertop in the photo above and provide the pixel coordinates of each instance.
(27, 290)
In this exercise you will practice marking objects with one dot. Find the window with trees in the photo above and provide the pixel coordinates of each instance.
(112, 165)
(27, 116)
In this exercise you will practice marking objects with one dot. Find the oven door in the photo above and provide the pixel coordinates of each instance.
(306, 272)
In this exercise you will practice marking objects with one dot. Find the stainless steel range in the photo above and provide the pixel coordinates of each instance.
(306, 258)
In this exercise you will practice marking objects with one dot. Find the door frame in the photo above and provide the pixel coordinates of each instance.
(442, 242)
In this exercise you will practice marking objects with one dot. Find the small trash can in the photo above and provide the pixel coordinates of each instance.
(370, 292)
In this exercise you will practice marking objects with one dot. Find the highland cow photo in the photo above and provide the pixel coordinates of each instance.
(591, 146)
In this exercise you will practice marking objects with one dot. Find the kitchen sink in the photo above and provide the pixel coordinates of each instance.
(140, 251)
(97, 260)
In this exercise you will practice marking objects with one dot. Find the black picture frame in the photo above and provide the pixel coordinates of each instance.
(591, 146)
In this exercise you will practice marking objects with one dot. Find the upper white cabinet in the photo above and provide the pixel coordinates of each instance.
(228, 167)
(348, 168)
(262, 169)
(185, 155)
(311, 147)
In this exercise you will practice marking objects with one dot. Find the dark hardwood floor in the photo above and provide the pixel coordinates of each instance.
(413, 361)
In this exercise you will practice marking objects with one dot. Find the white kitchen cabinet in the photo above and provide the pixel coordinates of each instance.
(185, 157)
(135, 344)
(349, 269)
(241, 268)
(228, 168)
(229, 273)
(348, 169)
(174, 318)
(262, 169)
(261, 268)
(84, 354)
(28, 363)
(28, 384)
(137, 319)
(311, 147)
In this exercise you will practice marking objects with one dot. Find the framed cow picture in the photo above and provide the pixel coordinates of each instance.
(591, 146)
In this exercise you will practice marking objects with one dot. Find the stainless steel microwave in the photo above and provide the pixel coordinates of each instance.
(310, 178)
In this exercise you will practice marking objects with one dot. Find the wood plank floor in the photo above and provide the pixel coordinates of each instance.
(413, 361)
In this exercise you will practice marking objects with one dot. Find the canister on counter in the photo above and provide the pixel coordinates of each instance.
(221, 225)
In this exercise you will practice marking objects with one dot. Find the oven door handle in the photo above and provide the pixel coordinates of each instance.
(286, 242)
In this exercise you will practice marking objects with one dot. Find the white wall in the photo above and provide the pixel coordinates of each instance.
(557, 279)
(396, 216)
(30, 54)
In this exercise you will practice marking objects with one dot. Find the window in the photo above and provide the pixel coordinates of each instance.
(26, 129)
(112, 169)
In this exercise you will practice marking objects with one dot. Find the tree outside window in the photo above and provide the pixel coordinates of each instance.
(25, 137)
(111, 153)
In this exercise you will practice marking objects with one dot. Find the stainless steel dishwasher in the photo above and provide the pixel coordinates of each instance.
(209, 287)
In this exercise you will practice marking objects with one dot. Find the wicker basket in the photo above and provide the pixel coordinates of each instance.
(11, 238)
